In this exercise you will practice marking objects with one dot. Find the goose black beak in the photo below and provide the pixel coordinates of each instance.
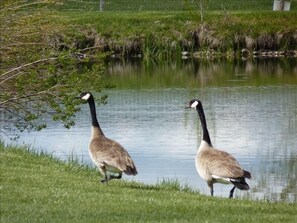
(187, 107)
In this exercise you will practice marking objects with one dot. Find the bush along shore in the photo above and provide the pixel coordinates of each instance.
(36, 187)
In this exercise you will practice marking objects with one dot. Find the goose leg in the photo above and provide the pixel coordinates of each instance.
(210, 185)
(103, 172)
(105, 180)
(231, 192)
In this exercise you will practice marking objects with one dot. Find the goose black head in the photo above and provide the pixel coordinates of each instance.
(193, 103)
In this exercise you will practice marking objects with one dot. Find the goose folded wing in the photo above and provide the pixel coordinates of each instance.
(112, 154)
(222, 164)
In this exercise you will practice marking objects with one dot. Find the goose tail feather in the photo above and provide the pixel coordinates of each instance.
(131, 171)
(247, 174)
(240, 183)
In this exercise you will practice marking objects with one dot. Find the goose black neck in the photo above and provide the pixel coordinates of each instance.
(205, 134)
(95, 122)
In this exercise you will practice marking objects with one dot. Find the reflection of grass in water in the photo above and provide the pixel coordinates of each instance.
(290, 191)
(278, 181)
(195, 74)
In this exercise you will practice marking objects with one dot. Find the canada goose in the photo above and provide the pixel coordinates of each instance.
(108, 155)
(216, 166)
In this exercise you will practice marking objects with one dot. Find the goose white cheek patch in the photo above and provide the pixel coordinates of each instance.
(194, 104)
(86, 97)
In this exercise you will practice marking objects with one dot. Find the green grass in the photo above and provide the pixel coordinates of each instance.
(180, 22)
(39, 188)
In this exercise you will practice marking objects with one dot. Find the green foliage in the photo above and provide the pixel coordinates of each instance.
(44, 65)
(39, 188)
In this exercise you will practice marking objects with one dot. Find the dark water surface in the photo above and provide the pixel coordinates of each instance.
(250, 107)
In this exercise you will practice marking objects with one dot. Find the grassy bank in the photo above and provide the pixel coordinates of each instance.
(39, 188)
(157, 34)
(169, 33)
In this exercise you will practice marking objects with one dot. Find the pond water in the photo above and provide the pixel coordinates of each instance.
(250, 107)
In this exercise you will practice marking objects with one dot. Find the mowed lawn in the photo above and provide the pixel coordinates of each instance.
(39, 188)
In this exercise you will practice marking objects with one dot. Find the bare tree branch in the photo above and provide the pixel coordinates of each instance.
(28, 65)
(24, 5)
(10, 77)
(23, 97)
(4, 133)
(14, 113)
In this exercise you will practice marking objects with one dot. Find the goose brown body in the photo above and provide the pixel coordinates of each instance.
(217, 166)
(108, 155)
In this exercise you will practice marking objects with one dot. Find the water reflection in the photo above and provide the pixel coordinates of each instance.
(255, 121)
(203, 73)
